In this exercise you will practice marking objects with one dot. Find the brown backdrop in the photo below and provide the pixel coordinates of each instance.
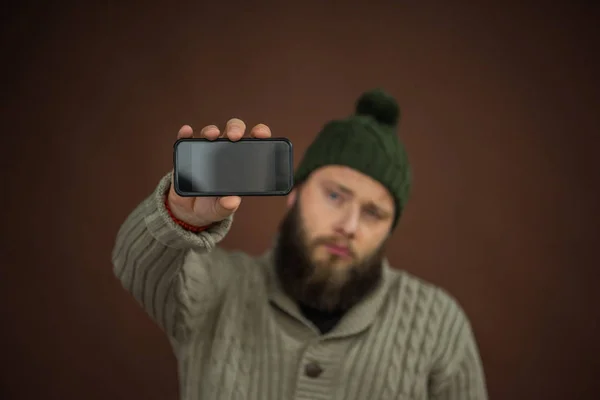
(500, 119)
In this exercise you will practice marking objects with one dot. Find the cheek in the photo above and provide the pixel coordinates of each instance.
(370, 243)
(315, 227)
(317, 219)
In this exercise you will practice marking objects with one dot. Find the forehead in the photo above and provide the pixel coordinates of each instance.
(359, 184)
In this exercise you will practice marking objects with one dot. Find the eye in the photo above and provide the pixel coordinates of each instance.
(335, 196)
(371, 213)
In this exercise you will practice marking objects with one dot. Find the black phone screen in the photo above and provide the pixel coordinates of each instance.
(248, 167)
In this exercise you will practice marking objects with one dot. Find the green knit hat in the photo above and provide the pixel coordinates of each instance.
(367, 142)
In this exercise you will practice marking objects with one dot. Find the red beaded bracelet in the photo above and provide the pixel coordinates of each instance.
(184, 225)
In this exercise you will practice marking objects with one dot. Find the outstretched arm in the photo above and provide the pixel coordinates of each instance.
(173, 273)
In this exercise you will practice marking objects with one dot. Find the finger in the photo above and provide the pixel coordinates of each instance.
(260, 131)
(226, 206)
(235, 128)
(210, 132)
(185, 131)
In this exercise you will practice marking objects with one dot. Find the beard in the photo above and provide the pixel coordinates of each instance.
(322, 285)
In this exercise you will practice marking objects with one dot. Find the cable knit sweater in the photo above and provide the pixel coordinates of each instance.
(236, 334)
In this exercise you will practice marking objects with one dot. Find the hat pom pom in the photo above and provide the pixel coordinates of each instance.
(379, 105)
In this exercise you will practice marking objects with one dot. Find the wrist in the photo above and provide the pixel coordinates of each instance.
(183, 224)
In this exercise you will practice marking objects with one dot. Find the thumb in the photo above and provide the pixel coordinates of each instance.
(225, 206)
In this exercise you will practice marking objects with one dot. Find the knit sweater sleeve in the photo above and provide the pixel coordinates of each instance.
(174, 274)
(458, 373)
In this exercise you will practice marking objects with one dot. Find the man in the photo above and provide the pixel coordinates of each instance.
(321, 315)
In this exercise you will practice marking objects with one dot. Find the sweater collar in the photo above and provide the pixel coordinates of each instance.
(356, 320)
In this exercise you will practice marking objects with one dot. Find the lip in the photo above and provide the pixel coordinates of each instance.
(338, 250)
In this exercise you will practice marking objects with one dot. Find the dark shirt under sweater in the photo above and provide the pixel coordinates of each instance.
(324, 321)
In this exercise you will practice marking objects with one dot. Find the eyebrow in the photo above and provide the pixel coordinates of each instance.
(343, 188)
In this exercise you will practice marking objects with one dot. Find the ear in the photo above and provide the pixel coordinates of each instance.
(292, 198)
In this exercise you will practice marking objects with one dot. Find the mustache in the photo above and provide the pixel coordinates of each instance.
(334, 241)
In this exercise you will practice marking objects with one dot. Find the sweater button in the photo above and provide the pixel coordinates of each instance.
(313, 370)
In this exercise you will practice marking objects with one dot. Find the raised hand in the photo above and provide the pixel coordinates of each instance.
(203, 211)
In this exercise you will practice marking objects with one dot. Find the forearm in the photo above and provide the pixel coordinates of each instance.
(149, 256)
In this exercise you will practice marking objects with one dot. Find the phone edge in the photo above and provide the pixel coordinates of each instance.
(224, 194)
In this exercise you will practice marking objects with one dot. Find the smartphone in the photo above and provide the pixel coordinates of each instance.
(247, 167)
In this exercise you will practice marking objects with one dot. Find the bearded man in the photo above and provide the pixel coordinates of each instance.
(321, 315)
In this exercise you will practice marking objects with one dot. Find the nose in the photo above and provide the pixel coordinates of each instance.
(348, 223)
